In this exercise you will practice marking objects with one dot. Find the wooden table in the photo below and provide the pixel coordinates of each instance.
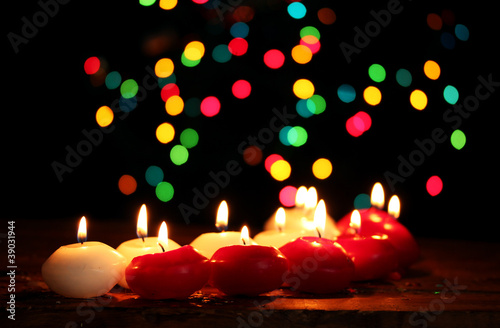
(455, 284)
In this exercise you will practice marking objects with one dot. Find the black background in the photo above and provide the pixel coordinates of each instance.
(48, 100)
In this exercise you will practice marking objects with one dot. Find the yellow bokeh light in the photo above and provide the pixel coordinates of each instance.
(168, 4)
(281, 170)
(174, 105)
(194, 50)
(303, 88)
(418, 99)
(322, 168)
(301, 54)
(165, 133)
(104, 116)
(372, 96)
(432, 70)
(164, 67)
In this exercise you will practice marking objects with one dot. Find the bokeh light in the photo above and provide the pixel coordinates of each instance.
(287, 196)
(127, 184)
(274, 58)
(270, 161)
(310, 30)
(154, 175)
(362, 201)
(179, 154)
(146, 3)
(434, 185)
(113, 80)
(129, 88)
(418, 99)
(174, 105)
(164, 191)
(188, 62)
(239, 30)
(376, 72)
(243, 14)
(91, 65)
(303, 88)
(346, 93)
(432, 70)
(311, 42)
(104, 116)
(285, 137)
(434, 21)
(127, 104)
(252, 155)
(358, 124)
(448, 40)
(210, 106)
(450, 94)
(458, 139)
(322, 168)
(301, 54)
(169, 90)
(241, 89)
(221, 53)
(327, 16)
(189, 138)
(302, 108)
(403, 77)
(372, 95)
(238, 46)
(165, 132)
(297, 136)
(297, 10)
(164, 67)
(316, 104)
(168, 4)
(281, 170)
(194, 51)
(462, 32)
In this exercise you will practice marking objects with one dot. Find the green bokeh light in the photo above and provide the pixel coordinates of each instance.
(129, 88)
(458, 139)
(403, 77)
(376, 73)
(164, 191)
(450, 94)
(179, 154)
(189, 138)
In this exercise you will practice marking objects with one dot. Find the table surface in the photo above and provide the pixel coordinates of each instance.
(455, 284)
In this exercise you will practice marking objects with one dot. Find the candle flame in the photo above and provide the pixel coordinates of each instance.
(394, 207)
(355, 220)
(142, 222)
(245, 236)
(320, 217)
(163, 236)
(300, 196)
(82, 230)
(311, 198)
(377, 196)
(222, 216)
(280, 219)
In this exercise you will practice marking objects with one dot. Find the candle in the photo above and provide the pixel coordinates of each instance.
(141, 245)
(374, 256)
(316, 264)
(301, 217)
(278, 237)
(208, 243)
(172, 274)
(377, 221)
(247, 269)
(84, 269)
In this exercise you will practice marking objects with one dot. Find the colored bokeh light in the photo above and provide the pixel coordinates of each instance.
(281, 170)
(301, 54)
(188, 62)
(189, 138)
(418, 99)
(210, 106)
(458, 139)
(303, 108)
(91, 65)
(316, 104)
(432, 70)
(287, 196)
(221, 53)
(346, 93)
(310, 30)
(358, 124)
(322, 168)
(450, 94)
(243, 14)
(113, 80)
(372, 96)
(303, 88)
(241, 89)
(154, 175)
(104, 116)
(167, 4)
(377, 72)
(129, 88)
(274, 58)
(164, 67)
(127, 184)
(174, 105)
(448, 40)
(252, 155)
(297, 10)
(239, 30)
(146, 3)
(434, 21)
(403, 77)
(311, 42)
(169, 90)
(165, 132)
(270, 161)
(194, 51)
(164, 191)
(179, 154)
(238, 46)
(462, 32)
(362, 201)
(327, 16)
(297, 136)
(434, 185)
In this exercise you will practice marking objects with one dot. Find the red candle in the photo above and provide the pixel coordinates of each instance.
(246, 269)
(376, 221)
(374, 256)
(172, 274)
(315, 264)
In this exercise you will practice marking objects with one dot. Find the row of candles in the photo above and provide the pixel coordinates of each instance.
(301, 247)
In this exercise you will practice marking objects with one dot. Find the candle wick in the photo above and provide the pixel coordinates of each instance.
(319, 233)
(163, 249)
(243, 240)
(142, 238)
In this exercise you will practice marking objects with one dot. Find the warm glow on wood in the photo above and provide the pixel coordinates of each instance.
(222, 216)
(142, 222)
(394, 207)
(377, 196)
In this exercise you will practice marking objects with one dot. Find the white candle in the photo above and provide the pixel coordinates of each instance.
(277, 237)
(83, 269)
(143, 244)
(208, 243)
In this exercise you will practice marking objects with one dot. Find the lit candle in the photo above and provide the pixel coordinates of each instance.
(301, 217)
(247, 269)
(143, 244)
(84, 269)
(170, 274)
(208, 243)
(374, 256)
(377, 221)
(278, 237)
(316, 264)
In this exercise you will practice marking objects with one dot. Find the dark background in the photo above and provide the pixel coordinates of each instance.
(48, 100)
